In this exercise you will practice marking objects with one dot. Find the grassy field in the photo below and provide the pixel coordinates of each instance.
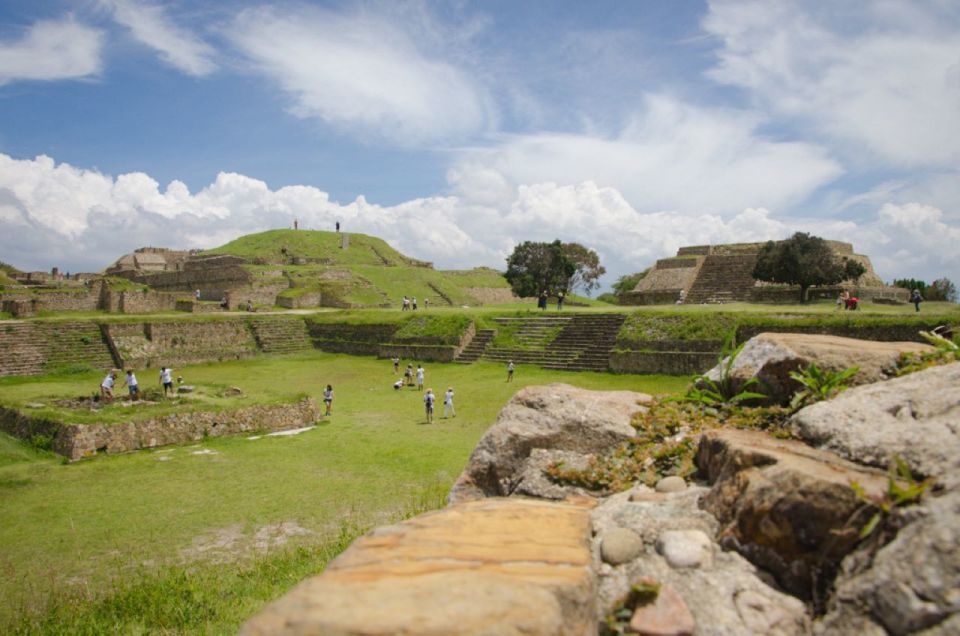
(194, 539)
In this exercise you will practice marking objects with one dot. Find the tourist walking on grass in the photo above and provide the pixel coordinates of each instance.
(166, 379)
(132, 385)
(414, 303)
(420, 374)
(408, 374)
(106, 387)
(916, 298)
(510, 371)
(328, 400)
(428, 400)
(448, 404)
(396, 365)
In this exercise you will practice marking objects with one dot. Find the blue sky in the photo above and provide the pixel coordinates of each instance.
(456, 129)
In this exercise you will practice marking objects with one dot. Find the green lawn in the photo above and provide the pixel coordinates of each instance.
(178, 541)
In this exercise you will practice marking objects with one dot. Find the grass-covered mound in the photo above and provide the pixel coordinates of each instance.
(368, 272)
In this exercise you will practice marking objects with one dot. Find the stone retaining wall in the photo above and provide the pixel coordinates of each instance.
(76, 441)
(662, 362)
(177, 343)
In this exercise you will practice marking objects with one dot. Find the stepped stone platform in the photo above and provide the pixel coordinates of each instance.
(496, 566)
(477, 346)
(30, 348)
(577, 342)
(724, 273)
(281, 335)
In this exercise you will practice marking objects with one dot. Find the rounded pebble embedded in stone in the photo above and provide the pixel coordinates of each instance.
(671, 484)
(620, 545)
(685, 548)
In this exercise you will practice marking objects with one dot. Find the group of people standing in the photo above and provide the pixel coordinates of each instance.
(133, 386)
(542, 301)
(429, 398)
(408, 304)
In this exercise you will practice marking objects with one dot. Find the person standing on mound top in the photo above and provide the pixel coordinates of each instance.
(428, 400)
(328, 400)
(166, 379)
(510, 371)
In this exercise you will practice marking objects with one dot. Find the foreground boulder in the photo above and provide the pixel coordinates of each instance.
(557, 417)
(770, 357)
(787, 507)
(916, 417)
(497, 566)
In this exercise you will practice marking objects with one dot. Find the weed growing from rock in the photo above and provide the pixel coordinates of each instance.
(618, 620)
(819, 384)
(902, 490)
(945, 351)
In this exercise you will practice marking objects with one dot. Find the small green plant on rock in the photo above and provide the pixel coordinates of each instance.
(819, 384)
(618, 620)
(945, 351)
(902, 490)
(725, 390)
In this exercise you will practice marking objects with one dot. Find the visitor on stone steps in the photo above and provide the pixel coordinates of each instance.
(510, 371)
(428, 400)
(916, 298)
(166, 379)
(420, 373)
(328, 400)
(448, 404)
(131, 383)
(106, 387)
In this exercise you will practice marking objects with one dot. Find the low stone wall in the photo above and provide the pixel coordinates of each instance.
(146, 302)
(493, 295)
(310, 299)
(433, 353)
(177, 343)
(82, 300)
(76, 441)
(662, 362)
(883, 333)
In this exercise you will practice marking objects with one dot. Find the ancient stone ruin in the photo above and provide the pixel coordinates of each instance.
(723, 273)
(765, 540)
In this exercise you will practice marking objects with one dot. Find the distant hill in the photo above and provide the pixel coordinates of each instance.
(7, 272)
(364, 271)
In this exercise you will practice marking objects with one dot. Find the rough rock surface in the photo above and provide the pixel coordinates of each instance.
(556, 416)
(770, 357)
(784, 505)
(724, 593)
(496, 566)
(916, 417)
(532, 480)
(668, 615)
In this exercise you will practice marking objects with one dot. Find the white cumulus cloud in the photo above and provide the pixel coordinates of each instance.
(360, 72)
(880, 77)
(150, 25)
(52, 50)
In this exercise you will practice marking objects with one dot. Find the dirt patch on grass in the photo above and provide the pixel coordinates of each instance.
(232, 542)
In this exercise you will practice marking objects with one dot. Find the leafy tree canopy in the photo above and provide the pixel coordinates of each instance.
(533, 268)
(806, 261)
(589, 269)
(940, 289)
(628, 282)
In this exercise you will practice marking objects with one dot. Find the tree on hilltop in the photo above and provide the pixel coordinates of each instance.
(806, 261)
(627, 283)
(536, 267)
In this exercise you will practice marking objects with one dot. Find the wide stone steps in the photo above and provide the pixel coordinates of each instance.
(475, 349)
(281, 335)
(31, 348)
(722, 279)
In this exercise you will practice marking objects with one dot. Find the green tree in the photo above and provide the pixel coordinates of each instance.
(806, 261)
(942, 289)
(536, 267)
(627, 283)
(588, 267)
(911, 284)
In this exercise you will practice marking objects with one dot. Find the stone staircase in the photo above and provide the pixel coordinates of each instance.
(723, 279)
(586, 342)
(31, 348)
(281, 335)
(475, 349)
(583, 343)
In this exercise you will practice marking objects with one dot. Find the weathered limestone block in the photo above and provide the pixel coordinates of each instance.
(496, 566)
(787, 507)
(556, 416)
(722, 591)
(770, 357)
(915, 417)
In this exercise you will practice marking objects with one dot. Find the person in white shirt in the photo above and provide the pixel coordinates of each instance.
(428, 400)
(328, 399)
(166, 379)
(106, 387)
(132, 385)
(420, 373)
(510, 371)
(448, 404)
